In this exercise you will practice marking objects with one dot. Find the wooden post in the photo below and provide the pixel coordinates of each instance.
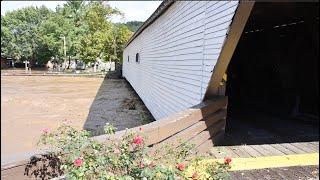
(69, 62)
(240, 19)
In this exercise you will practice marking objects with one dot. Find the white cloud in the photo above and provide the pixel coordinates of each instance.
(133, 10)
(13, 5)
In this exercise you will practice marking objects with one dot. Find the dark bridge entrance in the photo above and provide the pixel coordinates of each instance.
(273, 84)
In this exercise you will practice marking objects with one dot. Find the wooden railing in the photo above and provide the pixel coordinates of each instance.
(202, 125)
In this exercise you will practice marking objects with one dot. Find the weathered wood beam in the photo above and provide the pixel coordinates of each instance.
(241, 16)
(194, 130)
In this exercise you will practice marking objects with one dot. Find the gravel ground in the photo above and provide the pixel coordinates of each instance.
(292, 173)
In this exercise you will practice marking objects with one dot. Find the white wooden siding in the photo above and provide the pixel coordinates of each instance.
(178, 52)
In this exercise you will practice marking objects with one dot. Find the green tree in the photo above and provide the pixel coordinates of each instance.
(121, 34)
(19, 32)
(99, 39)
(35, 33)
(75, 11)
(133, 25)
(50, 32)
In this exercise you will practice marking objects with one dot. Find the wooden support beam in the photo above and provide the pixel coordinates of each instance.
(195, 130)
(209, 133)
(241, 16)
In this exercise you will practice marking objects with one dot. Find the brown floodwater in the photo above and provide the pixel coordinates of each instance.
(31, 103)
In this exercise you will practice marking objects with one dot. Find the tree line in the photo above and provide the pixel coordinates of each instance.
(37, 34)
(133, 25)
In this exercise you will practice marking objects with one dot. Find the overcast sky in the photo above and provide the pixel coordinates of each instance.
(133, 10)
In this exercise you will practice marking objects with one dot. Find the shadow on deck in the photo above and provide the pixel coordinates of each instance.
(263, 128)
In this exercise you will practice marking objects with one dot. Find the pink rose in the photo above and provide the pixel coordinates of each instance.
(141, 165)
(180, 166)
(137, 140)
(195, 175)
(78, 162)
(227, 160)
(46, 130)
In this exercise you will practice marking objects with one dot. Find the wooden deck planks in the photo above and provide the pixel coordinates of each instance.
(207, 146)
(261, 150)
(204, 147)
(279, 149)
(265, 149)
(228, 152)
(241, 152)
(272, 150)
(303, 146)
(207, 134)
(282, 149)
(293, 148)
(193, 130)
(219, 152)
(314, 145)
(251, 151)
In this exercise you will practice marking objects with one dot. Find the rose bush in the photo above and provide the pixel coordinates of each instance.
(81, 157)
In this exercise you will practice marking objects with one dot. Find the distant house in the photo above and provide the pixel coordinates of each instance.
(3, 62)
(6, 62)
(180, 55)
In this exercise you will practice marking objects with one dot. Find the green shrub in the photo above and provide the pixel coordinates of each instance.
(81, 157)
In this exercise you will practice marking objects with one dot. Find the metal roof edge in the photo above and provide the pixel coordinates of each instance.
(157, 13)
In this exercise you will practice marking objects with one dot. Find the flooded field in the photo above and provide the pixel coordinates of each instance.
(31, 103)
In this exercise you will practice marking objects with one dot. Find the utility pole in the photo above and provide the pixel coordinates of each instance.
(114, 52)
(65, 51)
(115, 48)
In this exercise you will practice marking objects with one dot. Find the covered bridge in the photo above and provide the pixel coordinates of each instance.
(242, 72)
(262, 56)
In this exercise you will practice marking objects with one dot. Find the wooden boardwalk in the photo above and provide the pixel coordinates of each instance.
(261, 134)
(279, 149)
